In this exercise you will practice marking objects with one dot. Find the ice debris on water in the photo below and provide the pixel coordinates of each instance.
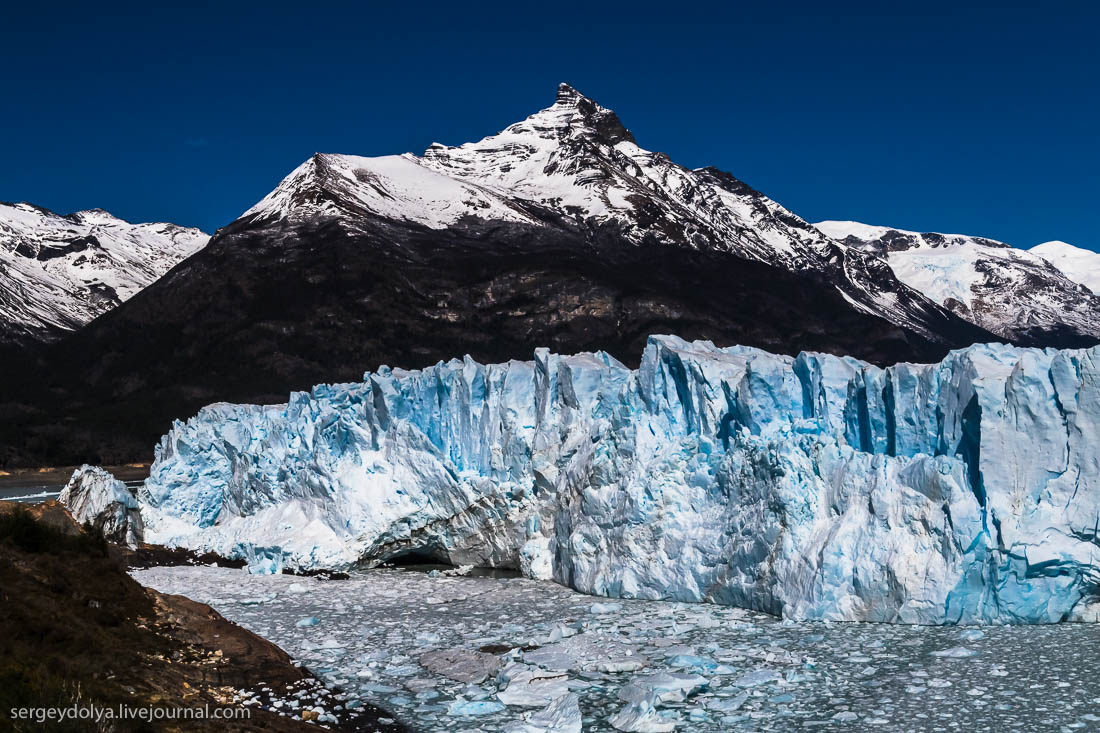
(960, 492)
(383, 640)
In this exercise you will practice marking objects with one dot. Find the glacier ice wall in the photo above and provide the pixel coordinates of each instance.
(818, 487)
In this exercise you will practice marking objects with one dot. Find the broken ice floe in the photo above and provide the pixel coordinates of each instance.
(524, 656)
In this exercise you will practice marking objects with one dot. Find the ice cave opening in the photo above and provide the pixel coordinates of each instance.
(418, 559)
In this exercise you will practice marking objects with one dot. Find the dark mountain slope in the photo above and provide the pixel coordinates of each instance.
(267, 309)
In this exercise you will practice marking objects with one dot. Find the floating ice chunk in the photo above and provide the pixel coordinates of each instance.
(621, 665)
(374, 687)
(662, 687)
(474, 707)
(845, 716)
(259, 601)
(697, 715)
(601, 608)
(461, 665)
(562, 715)
(955, 652)
(561, 631)
(728, 704)
(757, 677)
(552, 656)
(308, 621)
(701, 665)
(641, 717)
(421, 684)
(531, 686)
(298, 588)
(971, 634)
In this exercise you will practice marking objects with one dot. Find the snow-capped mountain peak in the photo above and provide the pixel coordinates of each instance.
(575, 164)
(1078, 264)
(59, 272)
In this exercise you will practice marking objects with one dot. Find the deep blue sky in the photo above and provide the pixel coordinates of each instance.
(929, 116)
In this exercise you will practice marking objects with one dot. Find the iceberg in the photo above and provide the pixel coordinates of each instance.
(96, 497)
(814, 488)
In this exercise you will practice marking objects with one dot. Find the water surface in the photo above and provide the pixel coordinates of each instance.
(756, 672)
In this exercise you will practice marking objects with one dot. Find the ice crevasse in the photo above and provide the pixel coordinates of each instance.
(817, 487)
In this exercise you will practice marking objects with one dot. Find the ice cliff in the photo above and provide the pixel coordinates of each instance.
(96, 497)
(818, 487)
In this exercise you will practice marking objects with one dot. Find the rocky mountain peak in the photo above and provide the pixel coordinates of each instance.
(607, 126)
(568, 95)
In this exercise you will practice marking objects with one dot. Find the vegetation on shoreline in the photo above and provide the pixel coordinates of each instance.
(78, 630)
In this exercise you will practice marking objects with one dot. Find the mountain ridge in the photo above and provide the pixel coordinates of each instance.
(559, 231)
(59, 272)
(1017, 294)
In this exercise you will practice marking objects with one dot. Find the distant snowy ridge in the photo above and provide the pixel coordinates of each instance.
(816, 487)
(59, 272)
(1017, 294)
(1078, 264)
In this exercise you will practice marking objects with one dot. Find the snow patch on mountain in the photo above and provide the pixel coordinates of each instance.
(59, 272)
(393, 186)
(1078, 264)
(816, 487)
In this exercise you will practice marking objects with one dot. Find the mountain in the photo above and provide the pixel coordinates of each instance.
(1017, 294)
(575, 167)
(1078, 264)
(57, 273)
(559, 231)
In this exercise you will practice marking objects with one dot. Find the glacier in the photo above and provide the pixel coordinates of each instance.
(813, 488)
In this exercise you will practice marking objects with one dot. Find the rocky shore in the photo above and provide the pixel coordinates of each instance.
(79, 631)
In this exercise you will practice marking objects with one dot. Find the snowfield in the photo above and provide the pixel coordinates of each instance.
(1078, 264)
